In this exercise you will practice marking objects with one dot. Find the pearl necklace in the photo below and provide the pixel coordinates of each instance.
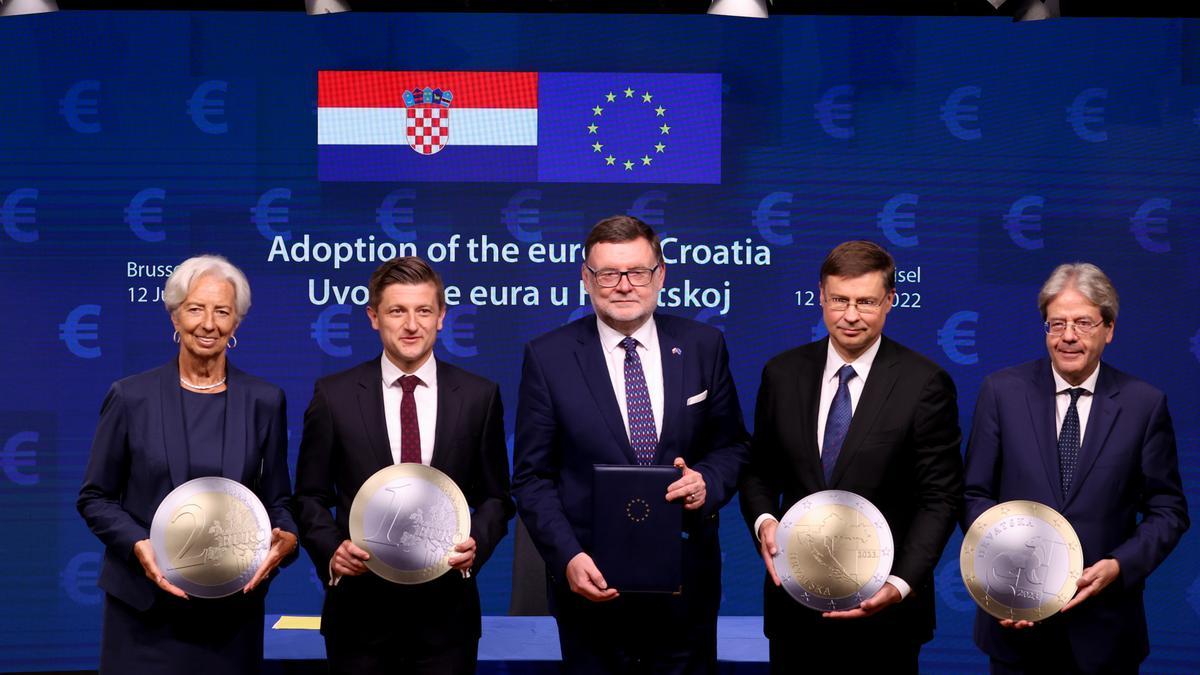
(202, 387)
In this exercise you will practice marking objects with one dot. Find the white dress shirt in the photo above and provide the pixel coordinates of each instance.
(426, 395)
(1062, 401)
(647, 350)
(829, 386)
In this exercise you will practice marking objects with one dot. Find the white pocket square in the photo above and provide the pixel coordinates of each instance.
(693, 400)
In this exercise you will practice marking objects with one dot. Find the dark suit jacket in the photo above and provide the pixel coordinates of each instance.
(139, 454)
(345, 442)
(1127, 467)
(901, 453)
(568, 420)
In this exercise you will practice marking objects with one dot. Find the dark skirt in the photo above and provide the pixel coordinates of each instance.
(179, 637)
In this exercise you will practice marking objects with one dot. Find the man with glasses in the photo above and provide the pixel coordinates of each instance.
(856, 412)
(627, 386)
(1096, 445)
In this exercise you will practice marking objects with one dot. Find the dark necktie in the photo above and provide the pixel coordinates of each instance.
(1068, 442)
(410, 431)
(642, 434)
(838, 421)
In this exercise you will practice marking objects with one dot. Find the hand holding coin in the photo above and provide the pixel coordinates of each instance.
(690, 487)
(1094, 579)
(349, 560)
(282, 545)
(767, 547)
(464, 556)
(144, 552)
(887, 595)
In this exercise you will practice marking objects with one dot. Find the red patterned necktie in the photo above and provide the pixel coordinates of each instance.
(410, 432)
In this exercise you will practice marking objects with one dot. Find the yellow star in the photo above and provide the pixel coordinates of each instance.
(610, 97)
(665, 129)
(646, 97)
(608, 161)
(628, 93)
(596, 146)
(597, 110)
(592, 128)
(659, 111)
(628, 165)
(646, 160)
(659, 147)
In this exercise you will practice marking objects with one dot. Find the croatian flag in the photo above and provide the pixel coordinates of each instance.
(406, 126)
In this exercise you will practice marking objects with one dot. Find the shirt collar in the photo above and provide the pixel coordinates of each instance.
(610, 338)
(427, 372)
(1088, 385)
(862, 365)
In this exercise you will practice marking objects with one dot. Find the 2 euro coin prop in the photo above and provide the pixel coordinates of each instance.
(834, 550)
(210, 535)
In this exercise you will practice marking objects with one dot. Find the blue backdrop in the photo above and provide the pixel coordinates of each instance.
(980, 152)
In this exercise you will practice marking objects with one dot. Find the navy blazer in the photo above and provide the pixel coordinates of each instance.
(568, 420)
(1128, 468)
(139, 454)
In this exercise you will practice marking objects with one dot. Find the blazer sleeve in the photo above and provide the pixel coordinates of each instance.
(275, 483)
(759, 490)
(983, 456)
(722, 466)
(315, 490)
(537, 460)
(489, 492)
(1163, 508)
(105, 480)
(937, 454)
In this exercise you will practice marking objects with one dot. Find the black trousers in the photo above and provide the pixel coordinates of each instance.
(379, 654)
(844, 655)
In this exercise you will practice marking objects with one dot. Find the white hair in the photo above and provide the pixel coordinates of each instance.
(1086, 278)
(189, 271)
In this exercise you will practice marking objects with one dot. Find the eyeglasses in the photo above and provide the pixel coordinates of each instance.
(1083, 327)
(866, 306)
(638, 276)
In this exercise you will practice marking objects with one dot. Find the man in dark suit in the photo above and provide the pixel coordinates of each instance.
(580, 385)
(402, 406)
(861, 413)
(1096, 445)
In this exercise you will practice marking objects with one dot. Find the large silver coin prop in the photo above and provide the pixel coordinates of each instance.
(209, 536)
(409, 517)
(1020, 560)
(834, 550)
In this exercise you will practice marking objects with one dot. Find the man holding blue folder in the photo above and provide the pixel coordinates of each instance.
(634, 388)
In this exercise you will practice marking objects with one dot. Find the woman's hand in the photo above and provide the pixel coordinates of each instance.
(144, 551)
(282, 545)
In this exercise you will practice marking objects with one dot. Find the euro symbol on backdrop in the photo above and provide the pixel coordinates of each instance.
(955, 113)
(265, 215)
(1195, 342)
(520, 218)
(767, 218)
(74, 332)
(203, 105)
(78, 579)
(892, 219)
(74, 106)
(1143, 225)
(828, 111)
(1082, 116)
(642, 210)
(14, 459)
(327, 331)
(390, 215)
(953, 338)
(1021, 224)
(138, 214)
(13, 215)
(458, 337)
(1193, 595)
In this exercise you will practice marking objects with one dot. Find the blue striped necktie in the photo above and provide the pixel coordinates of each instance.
(642, 434)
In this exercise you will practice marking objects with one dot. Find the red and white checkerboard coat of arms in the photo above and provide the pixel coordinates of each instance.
(427, 128)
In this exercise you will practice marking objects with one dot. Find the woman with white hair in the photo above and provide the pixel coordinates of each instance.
(193, 417)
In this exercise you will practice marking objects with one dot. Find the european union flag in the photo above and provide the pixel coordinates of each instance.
(629, 128)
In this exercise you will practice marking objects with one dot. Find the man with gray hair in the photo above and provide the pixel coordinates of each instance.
(1096, 445)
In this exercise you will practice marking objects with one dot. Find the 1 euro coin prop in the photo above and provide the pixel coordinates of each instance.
(409, 518)
(210, 535)
(1020, 560)
(834, 550)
